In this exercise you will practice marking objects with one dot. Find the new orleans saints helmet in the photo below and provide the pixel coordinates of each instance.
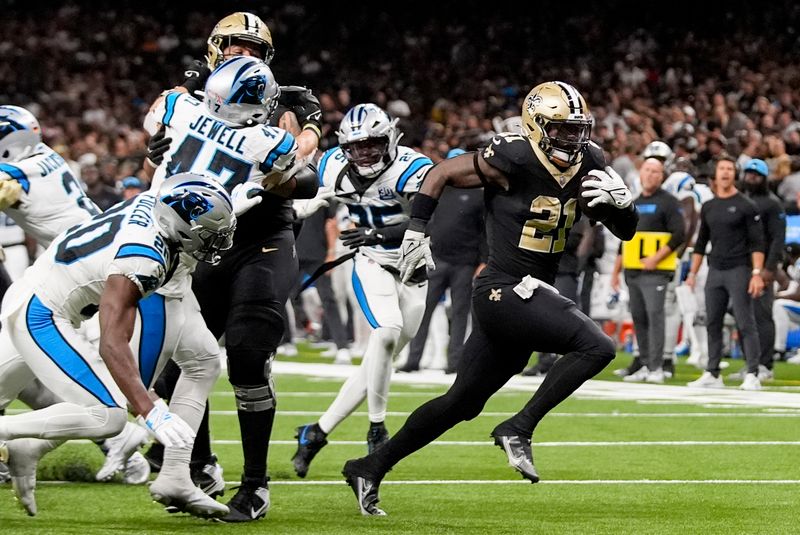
(556, 120)
(239, 25)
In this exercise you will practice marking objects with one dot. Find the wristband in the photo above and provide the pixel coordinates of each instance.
(422, 208)
(756, 271)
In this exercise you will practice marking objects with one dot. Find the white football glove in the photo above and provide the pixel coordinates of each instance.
(609, 188)
(168, 428)
(414, 252)
(245, 196)
(307, 207)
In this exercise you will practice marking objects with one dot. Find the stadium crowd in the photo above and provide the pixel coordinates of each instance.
(92, 72)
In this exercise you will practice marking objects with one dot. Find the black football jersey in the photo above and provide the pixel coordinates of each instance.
(527, 226)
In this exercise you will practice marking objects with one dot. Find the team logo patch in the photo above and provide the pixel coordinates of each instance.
(385, 194)
(495, 294)
(188, 204)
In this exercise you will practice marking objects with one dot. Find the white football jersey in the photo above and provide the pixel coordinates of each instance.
(387, 199)
(52, 198)
(683, 186)
(70, 275)
(204, 145)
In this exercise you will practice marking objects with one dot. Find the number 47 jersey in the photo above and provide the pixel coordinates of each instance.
(203, 144)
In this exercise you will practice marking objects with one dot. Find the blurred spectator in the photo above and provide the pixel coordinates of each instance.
(131, 187)
(103, 195)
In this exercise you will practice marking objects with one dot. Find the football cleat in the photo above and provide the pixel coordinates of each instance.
(365, 487)
(120, 448)
(377, 436)
(136, 471)
(638, 376)
(750, 382)
(185, 497)
(209, 478)
(518, 451)
(634, 366)
(248, 504)
(310, 439)
(22, 457)
(707, 380)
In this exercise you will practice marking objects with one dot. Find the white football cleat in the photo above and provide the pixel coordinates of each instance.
(750, 382)
(638, 376)
(22, 456)
(707, 381)
(343, 356)
(120, 449)
(185, 497)
(137, 470)
(655, 377)
(794, 360)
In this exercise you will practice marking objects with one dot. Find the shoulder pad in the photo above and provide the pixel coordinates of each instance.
(507, 151)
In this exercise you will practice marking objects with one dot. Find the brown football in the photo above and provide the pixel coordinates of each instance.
(601, 212)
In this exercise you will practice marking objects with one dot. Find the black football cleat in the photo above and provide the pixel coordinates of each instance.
(520, 457)
(377, 436)
(365, 487)
(250, 503)
(310, 439)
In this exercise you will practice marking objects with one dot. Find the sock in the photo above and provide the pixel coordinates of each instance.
(201, 453)
(256, 428)
(176, 464)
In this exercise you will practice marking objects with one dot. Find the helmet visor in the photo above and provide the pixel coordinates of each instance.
(213, 244)
(569, 136)
(366, 152)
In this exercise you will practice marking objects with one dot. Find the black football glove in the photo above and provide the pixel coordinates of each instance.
(196, 76)
(157, 147)
(356, 237)
(304, 104)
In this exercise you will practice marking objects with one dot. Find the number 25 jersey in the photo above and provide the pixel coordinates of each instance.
(527, 226)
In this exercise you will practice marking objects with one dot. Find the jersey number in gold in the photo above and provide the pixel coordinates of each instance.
(551, 220)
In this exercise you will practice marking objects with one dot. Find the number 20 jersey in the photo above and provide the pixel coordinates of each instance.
(70, 275)
(387, 199)
(52, 199)
(527, 226)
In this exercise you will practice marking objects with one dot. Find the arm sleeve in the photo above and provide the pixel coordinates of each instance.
(675, 225)
(703, 234)
(622, 223)
(776, 230)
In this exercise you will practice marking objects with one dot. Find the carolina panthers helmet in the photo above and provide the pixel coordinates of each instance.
(196, 213)
(368, 137)
(556, 120)
(243, 26)
(241, 91)
(19, 133)
(658, 150)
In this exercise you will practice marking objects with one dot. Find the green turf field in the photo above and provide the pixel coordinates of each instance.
(608, 466)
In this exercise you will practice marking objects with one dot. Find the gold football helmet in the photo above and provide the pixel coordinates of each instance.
(556, 119)
(243, 26)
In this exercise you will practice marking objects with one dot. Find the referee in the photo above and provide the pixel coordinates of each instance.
(649, 260)
(731, 222)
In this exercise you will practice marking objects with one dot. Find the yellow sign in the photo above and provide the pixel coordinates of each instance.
(646, 244)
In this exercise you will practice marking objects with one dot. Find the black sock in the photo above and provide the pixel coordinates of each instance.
(201, 454)
(256, 428)
(567, 374)
(373, 425)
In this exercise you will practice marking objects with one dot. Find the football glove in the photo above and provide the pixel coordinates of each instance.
(304, 104)
(608, 188)
(356, 237)
(245, 196)
(157, 147)
(196, 77)
(166, 427)
(414, 252)
(304, 208)
(10, 192)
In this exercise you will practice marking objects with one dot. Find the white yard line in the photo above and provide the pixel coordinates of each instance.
(561, 444)
(341, 483)
(606, 390)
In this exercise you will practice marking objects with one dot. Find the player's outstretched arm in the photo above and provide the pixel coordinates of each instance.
(117, 316)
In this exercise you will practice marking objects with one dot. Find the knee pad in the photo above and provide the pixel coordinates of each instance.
(255, 325)
(250, 373)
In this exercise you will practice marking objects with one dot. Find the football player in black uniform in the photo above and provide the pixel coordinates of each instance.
(244, 295)
(531, 187)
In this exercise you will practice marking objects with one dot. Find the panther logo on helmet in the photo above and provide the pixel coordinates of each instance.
(250, 91)
(188, 204)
